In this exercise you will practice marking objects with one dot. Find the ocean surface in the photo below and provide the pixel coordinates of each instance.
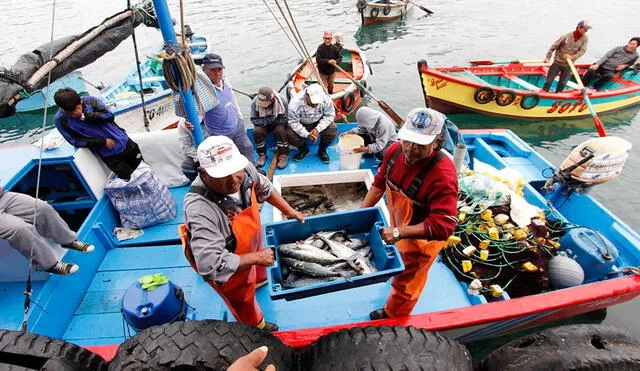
(256, 52)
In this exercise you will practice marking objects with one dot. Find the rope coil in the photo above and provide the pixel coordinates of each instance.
(178, 68)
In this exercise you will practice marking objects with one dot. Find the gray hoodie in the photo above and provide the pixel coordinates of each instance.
(378, 126)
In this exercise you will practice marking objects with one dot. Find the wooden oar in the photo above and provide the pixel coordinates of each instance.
(489, 63)
(272, 166)
(385, 107)
(421, 7)
(244, 93)
(596, 119)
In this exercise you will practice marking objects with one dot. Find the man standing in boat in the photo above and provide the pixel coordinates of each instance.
(327, 55)
(269, 113)
(24, 233)
(616, 60)
(225, 118)
(421, 185)
(223, 227)
(571, 45)
(311, 114)
(87, 122)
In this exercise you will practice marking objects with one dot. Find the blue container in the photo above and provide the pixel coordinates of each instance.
(595, 253)
(363, 223)
(142, 309)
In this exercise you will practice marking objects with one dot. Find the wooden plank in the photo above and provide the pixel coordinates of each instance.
(147, 257)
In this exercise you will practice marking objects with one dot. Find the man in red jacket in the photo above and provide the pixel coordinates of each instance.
(421, 184)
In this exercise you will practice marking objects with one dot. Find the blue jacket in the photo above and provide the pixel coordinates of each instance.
(98, 124)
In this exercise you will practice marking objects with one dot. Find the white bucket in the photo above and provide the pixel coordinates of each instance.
(346, 144)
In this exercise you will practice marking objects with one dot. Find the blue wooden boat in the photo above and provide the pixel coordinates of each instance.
(85, 308)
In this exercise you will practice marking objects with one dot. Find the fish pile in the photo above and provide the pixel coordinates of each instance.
(324, 257)
(325, 198)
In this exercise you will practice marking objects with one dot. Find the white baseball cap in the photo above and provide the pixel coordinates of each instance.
(315, 93)
(220, 157)
(422, 126)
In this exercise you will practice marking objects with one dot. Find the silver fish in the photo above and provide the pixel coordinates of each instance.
(308, 253)
(295, 280)
(310, 269)
(354, 259)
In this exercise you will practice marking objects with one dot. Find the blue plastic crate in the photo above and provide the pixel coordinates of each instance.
(364, 223)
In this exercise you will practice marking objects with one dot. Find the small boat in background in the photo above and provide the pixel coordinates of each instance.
(514, 90)
(382, 11)
(346, 96)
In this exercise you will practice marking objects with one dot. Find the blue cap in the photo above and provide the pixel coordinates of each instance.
(212, 61)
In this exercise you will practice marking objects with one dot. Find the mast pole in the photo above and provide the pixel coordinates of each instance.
(169, 35)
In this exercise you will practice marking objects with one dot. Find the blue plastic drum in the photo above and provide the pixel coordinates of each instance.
(142, 308)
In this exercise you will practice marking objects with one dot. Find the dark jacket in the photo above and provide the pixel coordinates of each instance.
(324, 54)
(98, 124)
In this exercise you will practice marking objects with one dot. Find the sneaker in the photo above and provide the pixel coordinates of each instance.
(324, 157)
(79, 246)
(302, 153)
(283, 160)
(378, 314)
(262, 159)
(63, 269)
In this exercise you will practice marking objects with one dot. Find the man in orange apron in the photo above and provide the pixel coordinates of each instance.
(421, 185)
(224, 243)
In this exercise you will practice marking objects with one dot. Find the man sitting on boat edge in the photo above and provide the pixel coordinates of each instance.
(616, 60)
(422, 193)
(17, 226)
(269, 113)
(224, 232)
(311, 115)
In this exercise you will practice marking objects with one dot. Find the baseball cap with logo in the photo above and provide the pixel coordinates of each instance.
(265, 96)
(315, 93)
(220, 157)
(584, 23)
(422, 126)
(212, 60)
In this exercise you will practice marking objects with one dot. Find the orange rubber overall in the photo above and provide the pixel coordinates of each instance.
(417, 255)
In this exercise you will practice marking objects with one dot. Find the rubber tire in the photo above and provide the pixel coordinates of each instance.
(531, 96)
(361, 4)
(385, 348)
(20, 350)
(573, 347)
(477, 96)
(201, 345)
(347, 102)
(511, 97)
(374, 13)
(386, 10)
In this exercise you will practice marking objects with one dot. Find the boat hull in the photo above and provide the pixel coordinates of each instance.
(347, 96)
(376, 13)
(467, 90)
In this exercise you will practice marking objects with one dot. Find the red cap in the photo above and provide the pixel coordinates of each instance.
(327, 34)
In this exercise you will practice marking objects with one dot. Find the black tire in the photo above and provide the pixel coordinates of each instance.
(348, 101)
(385, 348)
(573, 347)
(24, 350)
(505, 97)
(374, 12)
(529, 101)
(484, 95)
(386, 10)
(201, 345)
(361, 4)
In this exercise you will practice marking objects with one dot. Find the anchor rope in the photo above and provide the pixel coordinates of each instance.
(28, 289)
(178, 67)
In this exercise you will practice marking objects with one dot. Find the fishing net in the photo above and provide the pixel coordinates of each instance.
(501, 243)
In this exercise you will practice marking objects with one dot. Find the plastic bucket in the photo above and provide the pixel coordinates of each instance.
(346, 144)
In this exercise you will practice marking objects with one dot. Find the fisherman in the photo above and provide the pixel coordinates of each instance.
(17, 226)
(223, 222)
(87, 122)
(422, 192)
(225, 118)
(572, 46)
(327, 55)
(311, 115)
(616, 60)
(377, 130)
(269, 113)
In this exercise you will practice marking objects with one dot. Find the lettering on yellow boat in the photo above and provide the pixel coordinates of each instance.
(562, 106)
(438, 83)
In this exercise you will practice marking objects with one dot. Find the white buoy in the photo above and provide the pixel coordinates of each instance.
(565, 272)
(459, 155)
